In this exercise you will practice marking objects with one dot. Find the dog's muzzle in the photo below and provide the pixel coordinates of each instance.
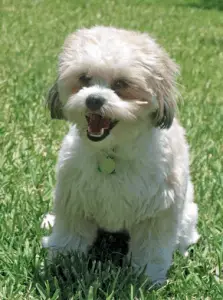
(99, 127)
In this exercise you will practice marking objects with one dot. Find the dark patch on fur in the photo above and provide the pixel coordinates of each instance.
(113, 246)
(168, 115)
(54, 104)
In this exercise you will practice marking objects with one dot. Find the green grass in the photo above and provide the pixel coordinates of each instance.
(32, 33)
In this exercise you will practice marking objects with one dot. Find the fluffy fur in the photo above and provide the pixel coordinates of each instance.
(150, 196)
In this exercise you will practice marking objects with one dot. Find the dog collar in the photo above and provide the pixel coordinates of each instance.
(106, 164)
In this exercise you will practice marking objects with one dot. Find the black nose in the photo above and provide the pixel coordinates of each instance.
(94, 102)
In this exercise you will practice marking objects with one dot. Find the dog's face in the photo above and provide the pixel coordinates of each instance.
(112, 83)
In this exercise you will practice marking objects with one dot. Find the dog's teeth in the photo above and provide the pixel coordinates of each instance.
(99, 134)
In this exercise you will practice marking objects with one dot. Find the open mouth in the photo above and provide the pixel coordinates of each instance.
(98, 127)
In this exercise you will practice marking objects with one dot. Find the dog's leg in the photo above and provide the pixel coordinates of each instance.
(64, 239)
(152, 244)
(188, 232)
(71, 231)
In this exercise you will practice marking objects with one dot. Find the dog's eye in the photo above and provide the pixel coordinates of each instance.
(119, 84)
(85, 79)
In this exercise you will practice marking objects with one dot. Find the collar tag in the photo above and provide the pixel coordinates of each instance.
(106, 165)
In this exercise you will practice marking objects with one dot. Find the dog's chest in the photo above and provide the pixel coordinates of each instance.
(137, 190)
(115, 201)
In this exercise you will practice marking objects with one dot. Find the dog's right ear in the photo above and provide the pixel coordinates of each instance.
(53, 103)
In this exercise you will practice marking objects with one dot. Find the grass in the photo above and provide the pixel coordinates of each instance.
(32, 33)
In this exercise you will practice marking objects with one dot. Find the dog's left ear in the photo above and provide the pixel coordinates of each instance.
(165, 120)
(53, 103)
(164, 85)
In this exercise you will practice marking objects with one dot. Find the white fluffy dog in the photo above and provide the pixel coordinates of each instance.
(124, 163)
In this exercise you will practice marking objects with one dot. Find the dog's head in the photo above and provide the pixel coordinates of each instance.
(112, 82)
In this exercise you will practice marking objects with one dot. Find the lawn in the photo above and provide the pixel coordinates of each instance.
(32, 33)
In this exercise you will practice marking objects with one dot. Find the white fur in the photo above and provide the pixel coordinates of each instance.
(150, 194)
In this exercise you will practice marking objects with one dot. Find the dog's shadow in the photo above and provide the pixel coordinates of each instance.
(76, 276)
(79, 277)
(100, 275)
(103, 272)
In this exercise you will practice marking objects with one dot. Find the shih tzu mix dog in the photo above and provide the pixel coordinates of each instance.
(123, 169)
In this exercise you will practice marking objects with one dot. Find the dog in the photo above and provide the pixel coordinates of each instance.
(124, 164)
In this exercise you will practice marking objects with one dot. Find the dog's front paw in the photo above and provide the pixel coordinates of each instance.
(157, 284)
(157, 274)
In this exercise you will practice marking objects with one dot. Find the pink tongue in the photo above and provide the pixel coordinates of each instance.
(96, 123)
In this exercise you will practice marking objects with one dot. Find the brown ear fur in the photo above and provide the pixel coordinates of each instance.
(166, 92)
(53, 103)
(166, 120)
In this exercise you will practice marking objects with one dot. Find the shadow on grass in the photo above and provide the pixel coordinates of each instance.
(75, 277)
(205, 4)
